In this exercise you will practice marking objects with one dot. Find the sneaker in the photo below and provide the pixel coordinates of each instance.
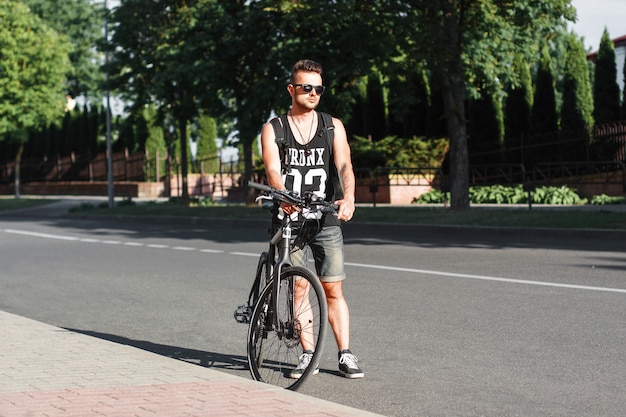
(347, 365)
(305, 360)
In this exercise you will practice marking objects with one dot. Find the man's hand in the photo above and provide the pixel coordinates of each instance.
(289, 209)
(346, 209)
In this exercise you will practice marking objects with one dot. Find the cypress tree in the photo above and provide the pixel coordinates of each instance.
(485, 129)
(517, 108)
(375, 108)
(577, 110)
(543, 117)
(155, 145)
(605, 89)
(207, 147)
(408, 105)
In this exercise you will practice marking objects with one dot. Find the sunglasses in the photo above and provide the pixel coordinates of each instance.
(307, 88)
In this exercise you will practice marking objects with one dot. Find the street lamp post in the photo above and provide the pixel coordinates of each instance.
(110, 190)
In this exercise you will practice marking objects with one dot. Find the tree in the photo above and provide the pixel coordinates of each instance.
(375, 107)
(517, 108)
(605, 88)
(577, 109)
(409, 103)
(466, 44)
(207, 147)
(543, 117)
(158, 58)
(80, 21)
(485, 129)
(33, 64)
(259, 41)
(248, 76)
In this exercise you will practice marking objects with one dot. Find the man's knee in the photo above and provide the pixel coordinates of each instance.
(333, 290)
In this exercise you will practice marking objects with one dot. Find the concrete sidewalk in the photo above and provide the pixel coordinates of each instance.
(49, 371)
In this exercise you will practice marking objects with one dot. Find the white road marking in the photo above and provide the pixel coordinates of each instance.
(42, 235)
(211, 251)
(358, 265)
(488, 278)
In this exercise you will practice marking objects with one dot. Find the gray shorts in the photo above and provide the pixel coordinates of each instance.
(327, 250)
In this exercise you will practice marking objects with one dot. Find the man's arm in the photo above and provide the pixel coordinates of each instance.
(273, 164)
(343, 162)
(271, 157)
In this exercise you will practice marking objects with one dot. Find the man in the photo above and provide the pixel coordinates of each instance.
(311, 166)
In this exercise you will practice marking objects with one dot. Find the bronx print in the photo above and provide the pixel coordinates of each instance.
(298, 157)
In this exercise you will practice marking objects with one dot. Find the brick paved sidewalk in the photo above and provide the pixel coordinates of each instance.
(49, 371)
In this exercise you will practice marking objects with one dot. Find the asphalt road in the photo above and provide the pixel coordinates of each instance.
(446, 322)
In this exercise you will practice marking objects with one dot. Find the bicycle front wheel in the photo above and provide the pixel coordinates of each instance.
(263, 276)
(277, 339)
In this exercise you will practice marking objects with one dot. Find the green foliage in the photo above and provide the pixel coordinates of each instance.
(434, 196)
(556, 195)
(469, 46)
(485, 129)
(603, 199)
(396, 152)
(605, 89)
(207, 147)
(155, 146)
(80, 22)
(204, 202)
(543, 117)
(498, 194)
(518, 104)
(577, 109)
(34, 61)
(409, 100)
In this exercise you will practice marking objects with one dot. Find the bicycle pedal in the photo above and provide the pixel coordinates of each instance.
(243, 314)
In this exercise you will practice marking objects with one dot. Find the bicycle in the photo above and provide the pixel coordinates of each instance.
(286, 307)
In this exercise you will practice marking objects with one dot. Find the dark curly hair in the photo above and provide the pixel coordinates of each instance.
(305, 65)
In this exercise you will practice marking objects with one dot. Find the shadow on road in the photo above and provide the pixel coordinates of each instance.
(248, 230)
(197, 357)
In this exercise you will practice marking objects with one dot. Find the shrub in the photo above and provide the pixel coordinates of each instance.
(603, 199)
(499, 194)
(397, 152)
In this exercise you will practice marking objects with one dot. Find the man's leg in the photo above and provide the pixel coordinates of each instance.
(339, 318)
(338, 313)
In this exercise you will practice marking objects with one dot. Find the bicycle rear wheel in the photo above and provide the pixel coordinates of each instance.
(274, 350)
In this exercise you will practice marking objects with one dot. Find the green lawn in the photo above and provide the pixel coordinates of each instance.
(10, 203)
(584, 217)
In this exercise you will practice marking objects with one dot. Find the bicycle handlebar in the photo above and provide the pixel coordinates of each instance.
(309, 200)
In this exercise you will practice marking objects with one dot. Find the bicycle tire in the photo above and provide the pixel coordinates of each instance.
(274, 352)
(262, 278)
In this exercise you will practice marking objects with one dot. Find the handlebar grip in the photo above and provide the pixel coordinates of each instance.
(330, 208)
(261, 187)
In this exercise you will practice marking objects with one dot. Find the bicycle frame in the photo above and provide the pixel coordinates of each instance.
(280, 246)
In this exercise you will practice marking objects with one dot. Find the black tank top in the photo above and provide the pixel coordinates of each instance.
(311, 167)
